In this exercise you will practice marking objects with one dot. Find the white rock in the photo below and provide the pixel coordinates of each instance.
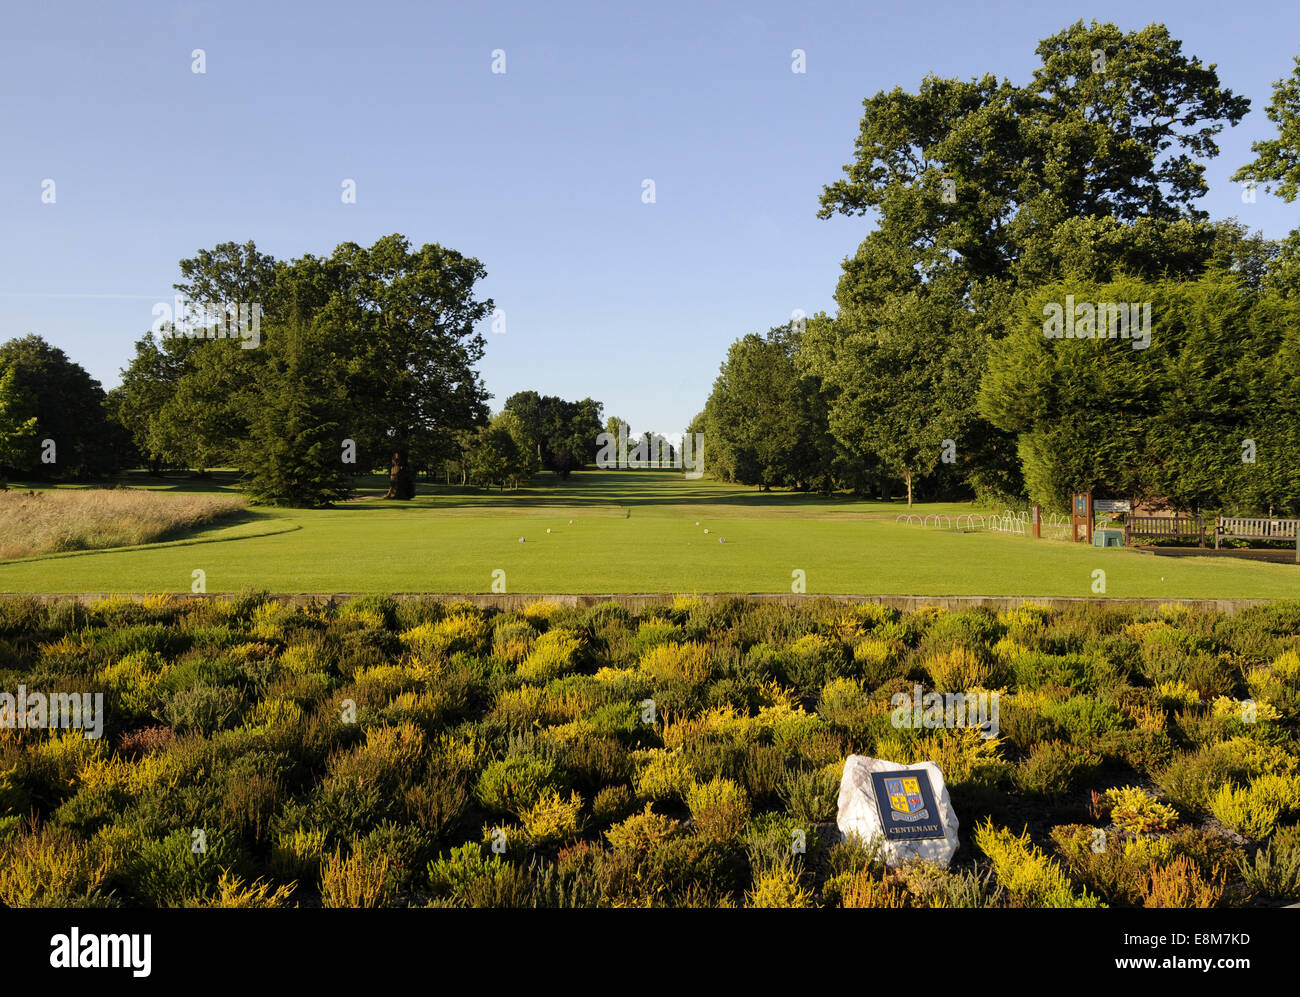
(861, 816)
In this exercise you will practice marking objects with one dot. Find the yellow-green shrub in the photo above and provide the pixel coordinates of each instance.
(961, 669)
(298, 854)
(1030, 877)
(354, 881)
(1254, 810)
(135, 680)
(779, 888)
(662, 774)
(52, 867)
(682, 662)
(720, 808)
(466, 632)
(234, 892)
(553, 654)
(1135, 811)
(642, 832)
(553, 820)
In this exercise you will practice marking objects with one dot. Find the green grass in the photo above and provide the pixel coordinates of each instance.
(631, 532)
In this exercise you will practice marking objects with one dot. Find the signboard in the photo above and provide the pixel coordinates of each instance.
(1112, 505)
(1082, 515)
(906, 803)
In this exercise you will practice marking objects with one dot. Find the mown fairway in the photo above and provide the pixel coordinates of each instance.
(630, 532)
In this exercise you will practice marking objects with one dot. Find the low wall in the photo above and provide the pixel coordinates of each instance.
(639, 601)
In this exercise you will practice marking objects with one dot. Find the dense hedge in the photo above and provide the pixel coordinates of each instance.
(374, 753)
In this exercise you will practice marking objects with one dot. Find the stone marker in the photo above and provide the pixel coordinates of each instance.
(906, 806)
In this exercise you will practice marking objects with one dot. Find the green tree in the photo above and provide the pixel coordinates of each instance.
(68, 405)
(767, 424)
(294, 452)
(17, 425)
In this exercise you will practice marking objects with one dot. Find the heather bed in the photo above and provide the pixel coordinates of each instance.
(425, 752)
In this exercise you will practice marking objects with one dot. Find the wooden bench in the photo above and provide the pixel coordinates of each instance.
(1243, 528)
(1173, 527)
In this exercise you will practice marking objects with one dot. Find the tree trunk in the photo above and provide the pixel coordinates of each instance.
(401, 484)
(907, 476)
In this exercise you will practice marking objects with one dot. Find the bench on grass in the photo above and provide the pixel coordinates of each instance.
(1242, 528)
(1162, 527)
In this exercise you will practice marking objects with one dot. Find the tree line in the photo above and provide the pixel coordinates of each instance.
(996, 206)
(303, 374)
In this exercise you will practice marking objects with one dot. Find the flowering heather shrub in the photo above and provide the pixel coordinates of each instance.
(354, 881)
(1136, 812)
(365, 737)
(1182, 884)
(553, 654)
(779, 888)
(677, 662)
(233, 892)
(720, 808)
(553, 820)
(51, 867)
(1029, 877)
(460, 632)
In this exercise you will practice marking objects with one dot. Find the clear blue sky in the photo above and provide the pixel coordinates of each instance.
(536, 172)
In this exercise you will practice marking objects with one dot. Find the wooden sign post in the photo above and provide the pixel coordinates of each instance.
(1081, 515)
(1038, 521)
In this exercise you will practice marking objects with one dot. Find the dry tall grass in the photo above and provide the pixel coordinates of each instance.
(92, 519)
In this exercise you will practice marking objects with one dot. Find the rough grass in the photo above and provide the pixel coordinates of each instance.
(50, 522)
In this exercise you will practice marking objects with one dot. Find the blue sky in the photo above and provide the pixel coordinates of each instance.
(537, 172)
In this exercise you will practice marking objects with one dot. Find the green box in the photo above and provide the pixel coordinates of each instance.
(1108, 538)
